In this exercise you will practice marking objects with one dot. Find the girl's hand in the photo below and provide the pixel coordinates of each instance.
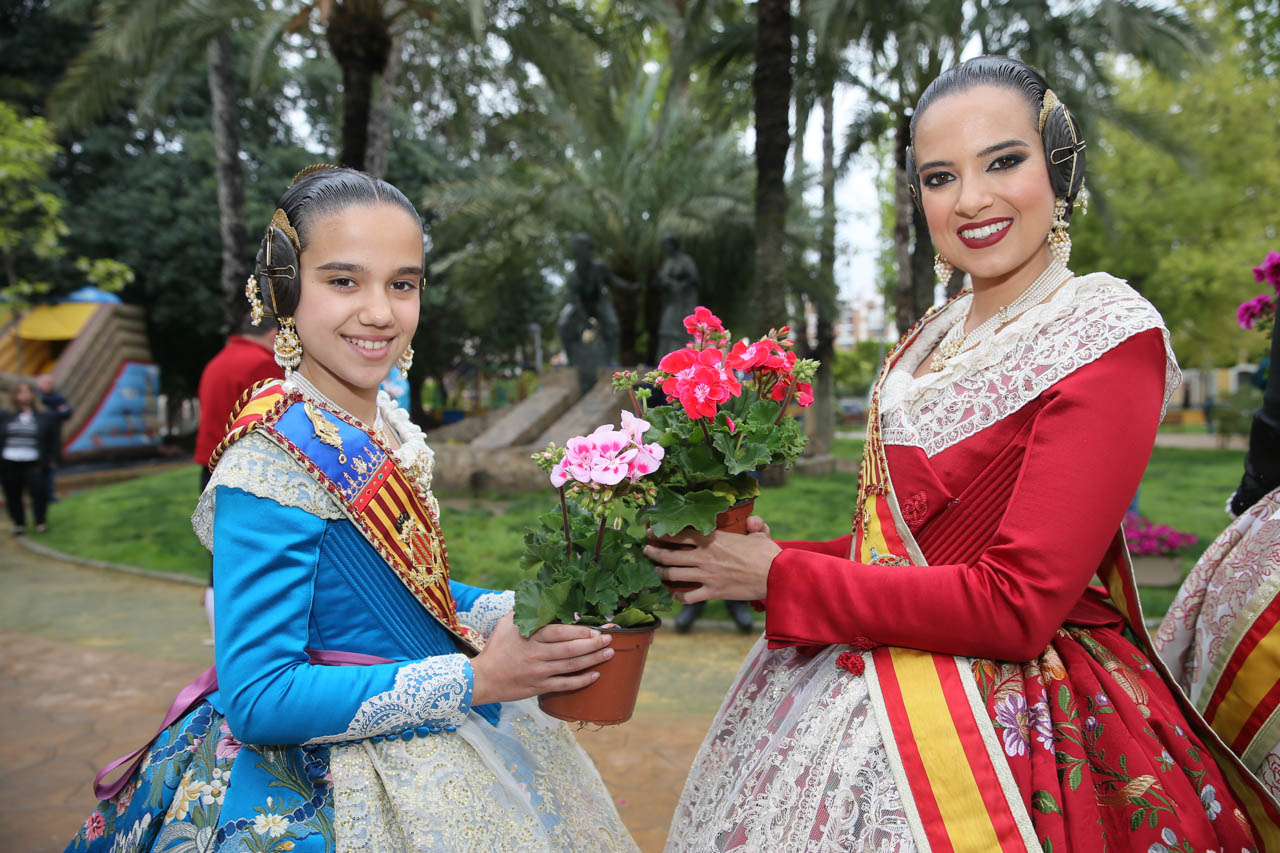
(730, 566)
(512, 667)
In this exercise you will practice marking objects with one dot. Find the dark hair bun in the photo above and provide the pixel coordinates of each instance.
(1064, 153)
(276, 270)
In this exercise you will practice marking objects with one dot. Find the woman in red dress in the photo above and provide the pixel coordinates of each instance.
(945, 677)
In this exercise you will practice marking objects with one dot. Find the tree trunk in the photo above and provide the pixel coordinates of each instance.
(360, 39)
(904, 308)
(380, 119)
(824, 402)
(772, 88)
(230, 178)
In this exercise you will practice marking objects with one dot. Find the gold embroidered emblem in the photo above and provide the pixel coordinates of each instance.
(423, 546)
(325, 430)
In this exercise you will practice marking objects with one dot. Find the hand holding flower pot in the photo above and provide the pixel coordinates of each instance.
(590, 565)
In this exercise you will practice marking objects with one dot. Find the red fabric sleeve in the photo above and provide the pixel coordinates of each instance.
(1086, 454)
(841, 547)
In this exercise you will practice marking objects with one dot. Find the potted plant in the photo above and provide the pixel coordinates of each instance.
(1154, 550)
(590, 564)
(725, 420)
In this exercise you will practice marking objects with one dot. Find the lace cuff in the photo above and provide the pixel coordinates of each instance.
(427, 697)
(487, 610)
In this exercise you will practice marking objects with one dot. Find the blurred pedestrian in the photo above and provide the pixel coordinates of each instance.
(28, 437)
(59, 408)
(245, 359)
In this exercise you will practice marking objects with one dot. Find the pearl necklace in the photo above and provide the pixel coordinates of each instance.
(957, 340)
(308, 389)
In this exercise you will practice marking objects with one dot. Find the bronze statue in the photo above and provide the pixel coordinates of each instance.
(588, 323)
(678, 283)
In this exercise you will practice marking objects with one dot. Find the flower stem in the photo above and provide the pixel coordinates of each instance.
(564, 513)
(706, 433)
(635, 403)
(791, 390)
(599, 539)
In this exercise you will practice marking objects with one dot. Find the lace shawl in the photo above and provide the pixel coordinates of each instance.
(1086, 318)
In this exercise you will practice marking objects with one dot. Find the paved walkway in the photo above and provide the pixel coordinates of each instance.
(89, 661)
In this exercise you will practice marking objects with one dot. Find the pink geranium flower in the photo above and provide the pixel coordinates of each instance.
(703, 325)
(1250, 312)
(1269, 270)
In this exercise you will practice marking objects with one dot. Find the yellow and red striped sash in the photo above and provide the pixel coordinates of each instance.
(940, 740)
(362, 477)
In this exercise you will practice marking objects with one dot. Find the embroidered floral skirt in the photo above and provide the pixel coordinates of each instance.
(523, 785)
(1103, 756)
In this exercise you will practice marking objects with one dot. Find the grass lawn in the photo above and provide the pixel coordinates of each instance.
(146, 521)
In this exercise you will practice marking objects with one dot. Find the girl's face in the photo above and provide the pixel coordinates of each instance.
(984, 183)
(358, 305)
(23, 397)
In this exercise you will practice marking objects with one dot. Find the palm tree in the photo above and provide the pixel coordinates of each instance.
(772, 88)
(145, 45)
(624, 175)
(907, 43)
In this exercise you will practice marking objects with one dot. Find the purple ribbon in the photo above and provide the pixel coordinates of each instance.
(189, 696)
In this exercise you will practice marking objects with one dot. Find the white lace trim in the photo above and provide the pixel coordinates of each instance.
(257, 466)
(435, 692)
(487, 610)
(1087, 317)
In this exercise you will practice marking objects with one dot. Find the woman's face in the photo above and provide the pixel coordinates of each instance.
(358, 305)
(23, 397)
(984, 184)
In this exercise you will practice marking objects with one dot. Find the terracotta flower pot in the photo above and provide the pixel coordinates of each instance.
(731, 520)
(611, 698)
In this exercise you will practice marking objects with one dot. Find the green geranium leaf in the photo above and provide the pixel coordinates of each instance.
(674, 512)
(631, 617)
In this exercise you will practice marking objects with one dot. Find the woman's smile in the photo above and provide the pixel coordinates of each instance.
(988, 232)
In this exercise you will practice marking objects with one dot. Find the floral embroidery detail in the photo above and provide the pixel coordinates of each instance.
(1209, 798)
(95, 826)
(487, 610)
(1085, 319)
(272, 825)
(1013, 715)
(435, 692)
(228, 746)
(915, 509)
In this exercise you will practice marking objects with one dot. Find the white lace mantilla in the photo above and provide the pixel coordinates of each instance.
(435, 692)
(487, 610)
(1086, 318)
(255, 465)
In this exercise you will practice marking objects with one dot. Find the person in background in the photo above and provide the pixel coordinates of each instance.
(246, 358)
(58, 408)
(28, 438)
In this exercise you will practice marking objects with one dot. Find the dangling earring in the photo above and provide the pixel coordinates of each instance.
(942, 269)
(1059, 239)
(255, 302)
(405, 361)
(288, 347)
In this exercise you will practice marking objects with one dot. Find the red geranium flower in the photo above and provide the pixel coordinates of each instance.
(702, 321)
(803, 395)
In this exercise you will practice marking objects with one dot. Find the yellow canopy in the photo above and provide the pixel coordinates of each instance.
(60, 322)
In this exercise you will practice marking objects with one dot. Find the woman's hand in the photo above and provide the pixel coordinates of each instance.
(729, 566)
(512, 667)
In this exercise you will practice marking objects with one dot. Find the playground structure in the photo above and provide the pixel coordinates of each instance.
(96, 349)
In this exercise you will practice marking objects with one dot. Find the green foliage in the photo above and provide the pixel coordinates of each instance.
(855, 369)
(606, 579)
(1185, 231)
(1233, 415)
(31, 225)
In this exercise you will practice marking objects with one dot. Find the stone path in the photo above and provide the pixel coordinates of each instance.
(90, 660)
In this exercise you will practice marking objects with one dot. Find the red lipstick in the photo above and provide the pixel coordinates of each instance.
(987, 240)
